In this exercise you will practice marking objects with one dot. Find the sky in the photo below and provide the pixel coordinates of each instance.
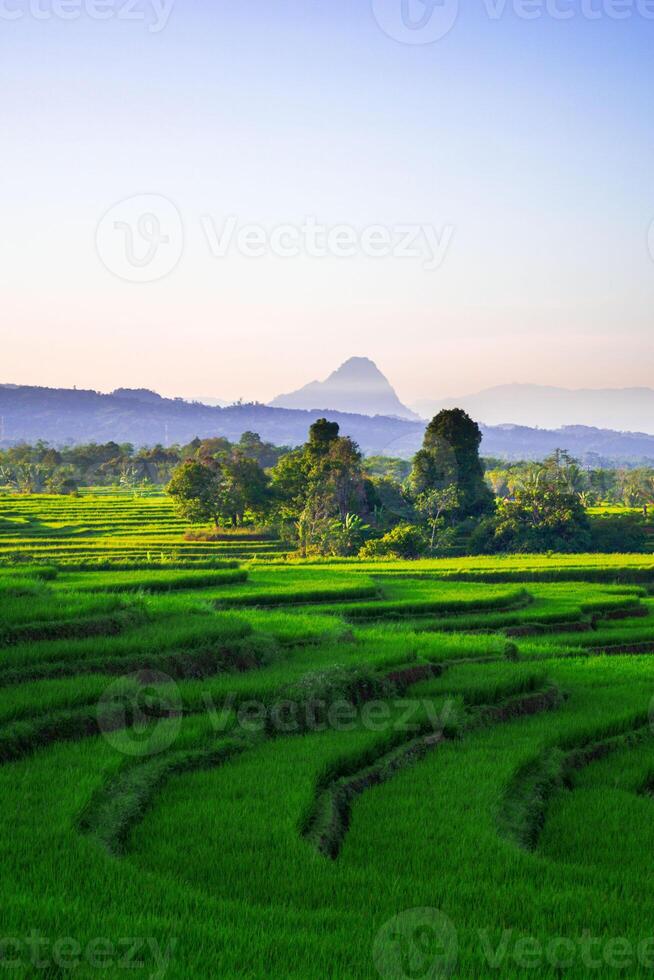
(229, 199)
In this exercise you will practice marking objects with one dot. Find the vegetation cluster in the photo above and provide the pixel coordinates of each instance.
(326, 499)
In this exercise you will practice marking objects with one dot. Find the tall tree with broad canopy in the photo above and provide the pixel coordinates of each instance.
(450, 458)
(320, 483)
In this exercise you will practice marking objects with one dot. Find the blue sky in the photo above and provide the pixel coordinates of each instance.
(528, 144)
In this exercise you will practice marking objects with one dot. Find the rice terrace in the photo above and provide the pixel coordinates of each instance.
(220, 760)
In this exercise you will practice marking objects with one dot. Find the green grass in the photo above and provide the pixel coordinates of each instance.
(295, 753)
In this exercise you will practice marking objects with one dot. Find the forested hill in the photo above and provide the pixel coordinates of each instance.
(593, 446)
(60, 416)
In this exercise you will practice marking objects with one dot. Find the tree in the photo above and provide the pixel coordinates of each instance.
(61, 481)
(498, 480)
(128, 479)
(434, 505)
(389, 503)
(195, 489)
(344, 538)
(244, 487)
(220, 489)
(567, 469)
(638, 489)
(289, 484)
(545, 512)
(321, 484)
(252, 446)
(388, 467)
(339, 477)
(336, 487)
(450, 457)
(321, 436)
(213, 449)
(619, 533)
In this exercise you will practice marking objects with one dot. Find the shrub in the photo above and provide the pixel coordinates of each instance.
(404, 541)
(619, 533)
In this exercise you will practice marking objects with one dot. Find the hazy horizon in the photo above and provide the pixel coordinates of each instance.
(255, 397)
(518, 150)
(530, 405)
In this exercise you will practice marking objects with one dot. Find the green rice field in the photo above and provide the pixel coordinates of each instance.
(217, 760)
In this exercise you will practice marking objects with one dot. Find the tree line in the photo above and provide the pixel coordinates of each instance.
(325, 499)
(40, 468)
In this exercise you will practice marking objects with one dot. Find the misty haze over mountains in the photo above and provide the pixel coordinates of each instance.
(359, 386)
(623, 409)
(143, 418)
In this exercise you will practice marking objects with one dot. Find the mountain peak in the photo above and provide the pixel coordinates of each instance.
(358, 365)
(356, 386)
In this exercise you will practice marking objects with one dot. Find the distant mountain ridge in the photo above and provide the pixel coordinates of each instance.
(141, 417)
(60, 416)
(622, 409)
(357, 386)
(594, 447)
(138, 395)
